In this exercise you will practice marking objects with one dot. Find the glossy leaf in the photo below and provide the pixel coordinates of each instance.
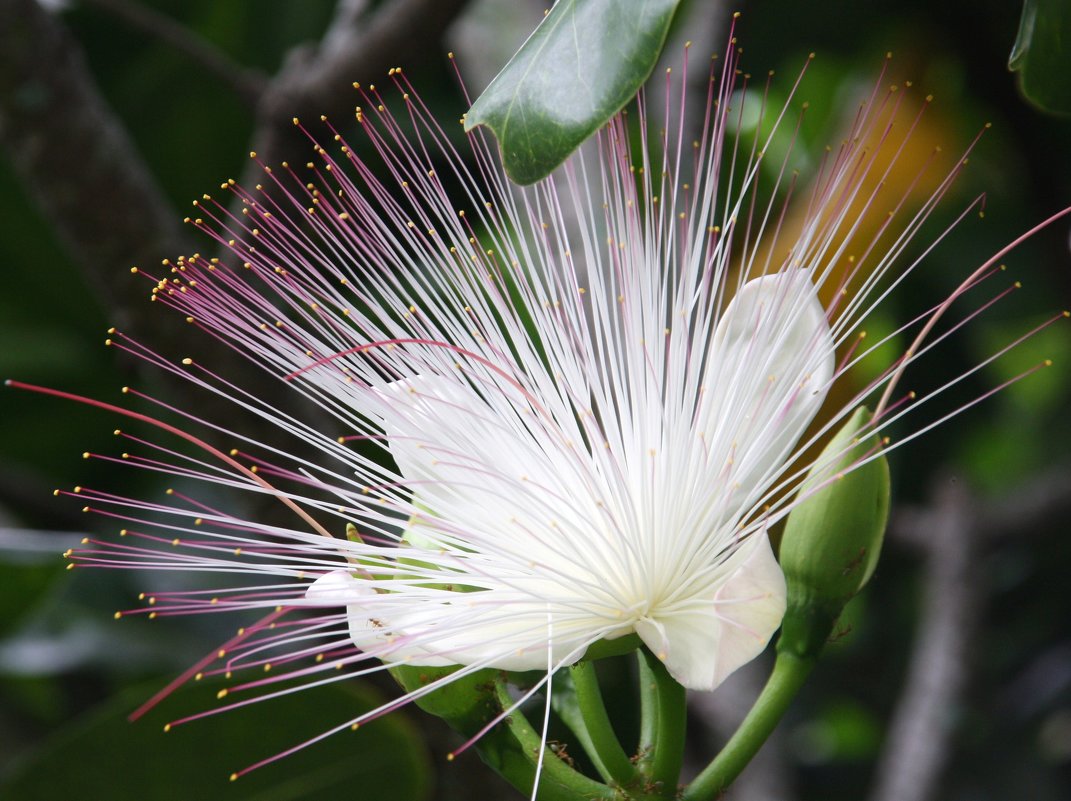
(1042, 54)
(104, 756)
(577, 69)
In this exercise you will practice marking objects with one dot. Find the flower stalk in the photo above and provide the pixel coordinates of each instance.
(829, 551)
(519, 752)
(663, 716)
(789, 673)
(595, 730)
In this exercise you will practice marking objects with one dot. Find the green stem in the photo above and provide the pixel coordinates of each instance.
(662, 727)
(789, 673)
(648, 715)
(601, 743)
(513, 749)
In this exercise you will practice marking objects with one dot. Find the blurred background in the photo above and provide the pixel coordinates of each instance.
(952, 678)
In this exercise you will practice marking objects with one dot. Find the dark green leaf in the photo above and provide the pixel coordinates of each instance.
(580, 66)
(105, 756)
(1042, 54)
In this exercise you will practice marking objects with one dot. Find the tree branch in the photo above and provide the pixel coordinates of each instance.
(1038, 505)
(322, 83)
(355, 48)
(76, 159)
(951, 533)
(80, 165)
(919, 740)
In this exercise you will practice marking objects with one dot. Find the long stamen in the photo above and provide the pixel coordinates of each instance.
(959, 290)
(178, 432)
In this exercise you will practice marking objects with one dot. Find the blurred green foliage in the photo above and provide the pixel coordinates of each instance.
(104, 756)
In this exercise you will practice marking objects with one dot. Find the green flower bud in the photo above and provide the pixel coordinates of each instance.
(832, 539)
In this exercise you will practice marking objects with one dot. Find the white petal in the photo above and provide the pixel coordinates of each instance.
(495, 629)
(336, 588)
(368, 632)
(705, 642)
(478, 628)
(482, 464)
(771, 362)
(447, 440)
(423, 406)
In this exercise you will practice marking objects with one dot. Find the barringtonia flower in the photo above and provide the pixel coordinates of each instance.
(546, 417)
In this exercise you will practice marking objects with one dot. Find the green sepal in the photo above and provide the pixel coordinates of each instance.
(619, 646)
(466, 703)
(583, 63)
(512, 747)
(417, 541)
(365, 568)
(833, 538)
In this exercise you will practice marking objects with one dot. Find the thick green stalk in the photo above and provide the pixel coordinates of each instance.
(601, 741)
(662, 726)
(648, 715)
(789, 673)
(513, 749)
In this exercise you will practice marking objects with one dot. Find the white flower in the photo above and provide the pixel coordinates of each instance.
(556, 416)
(593, 524)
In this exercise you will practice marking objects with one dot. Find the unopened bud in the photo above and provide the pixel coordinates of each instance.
(832, 539)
